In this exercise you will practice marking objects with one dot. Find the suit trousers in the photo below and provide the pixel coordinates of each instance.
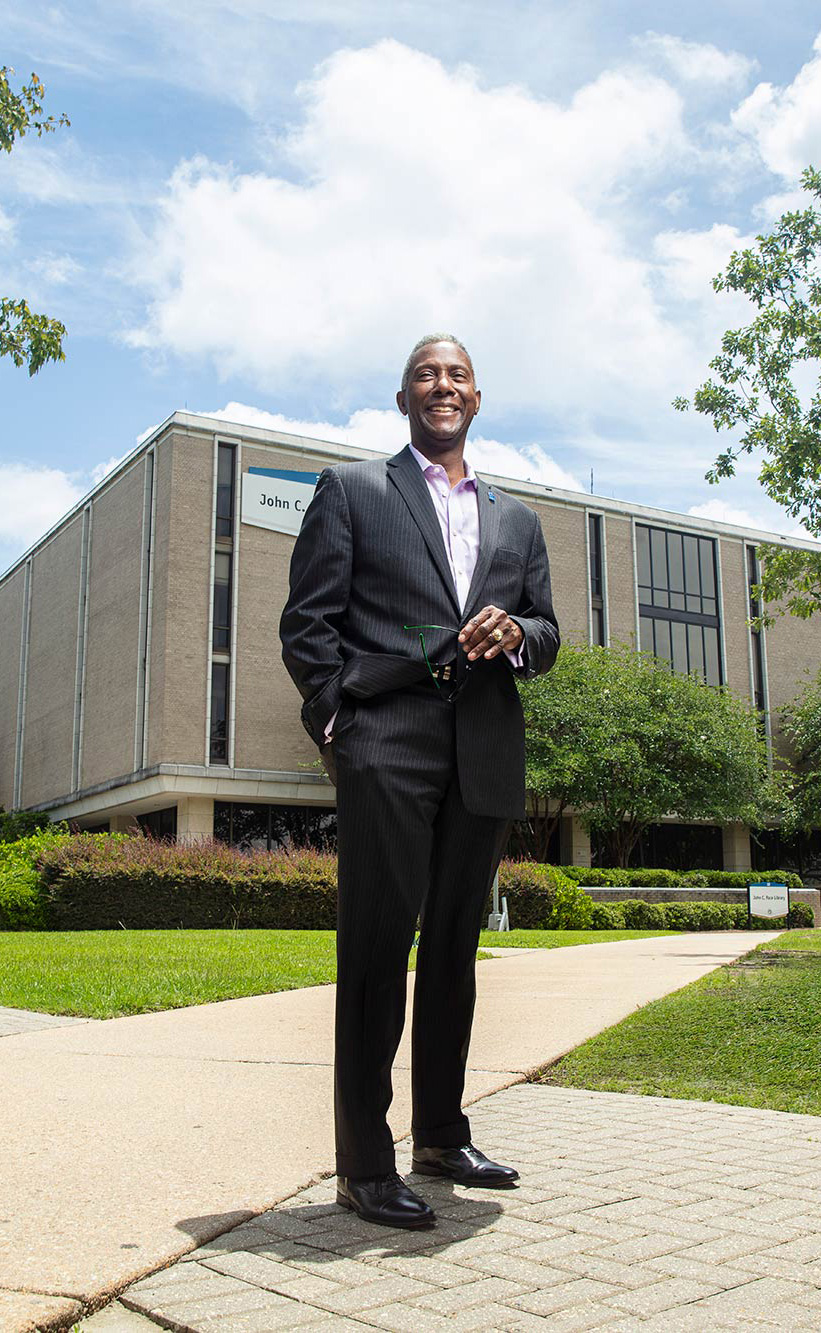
(407, 847)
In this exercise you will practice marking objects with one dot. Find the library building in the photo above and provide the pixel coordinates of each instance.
(140, 671)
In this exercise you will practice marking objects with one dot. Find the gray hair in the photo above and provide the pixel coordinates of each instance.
(427, 341)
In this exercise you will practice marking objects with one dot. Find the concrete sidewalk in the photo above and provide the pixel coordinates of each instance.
(130, 1142)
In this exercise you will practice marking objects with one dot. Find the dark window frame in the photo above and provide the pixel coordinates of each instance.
(218, 737)
(595, 549)
(691, 578)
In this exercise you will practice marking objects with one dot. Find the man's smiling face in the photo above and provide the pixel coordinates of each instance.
(441, 398)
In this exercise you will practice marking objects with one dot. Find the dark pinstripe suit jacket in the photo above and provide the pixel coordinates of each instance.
(370, 559)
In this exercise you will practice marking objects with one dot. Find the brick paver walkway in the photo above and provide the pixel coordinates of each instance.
(633, 1212)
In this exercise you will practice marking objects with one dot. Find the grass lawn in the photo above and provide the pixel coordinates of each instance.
(747, 1034)
(103, 973)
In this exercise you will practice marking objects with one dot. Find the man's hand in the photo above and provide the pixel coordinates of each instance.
(490, 632)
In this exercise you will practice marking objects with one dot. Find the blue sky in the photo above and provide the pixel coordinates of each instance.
(259, 207)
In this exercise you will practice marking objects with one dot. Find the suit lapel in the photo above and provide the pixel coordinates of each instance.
(409, 480)
(488, 540)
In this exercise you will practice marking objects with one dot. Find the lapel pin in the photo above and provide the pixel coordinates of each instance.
(491, 497)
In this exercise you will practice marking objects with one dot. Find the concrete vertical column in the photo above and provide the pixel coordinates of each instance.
(122, 823)
(579, 843)
(736, 840)
(195, 818)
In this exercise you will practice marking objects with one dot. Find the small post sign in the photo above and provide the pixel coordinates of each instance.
(275, 499)
(768, 898)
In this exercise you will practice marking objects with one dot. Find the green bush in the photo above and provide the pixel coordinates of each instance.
(572, 909)
(100, 882)
(21, 899)
(531, 889)
(643, 916)
(597, 877)
(17, 824)
(607, 916)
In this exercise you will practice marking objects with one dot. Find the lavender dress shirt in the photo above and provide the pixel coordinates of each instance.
(457, 509)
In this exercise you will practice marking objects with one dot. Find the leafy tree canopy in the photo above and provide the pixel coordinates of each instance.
(28, 338)
(766, 389)
(623, 741)
(801, 721)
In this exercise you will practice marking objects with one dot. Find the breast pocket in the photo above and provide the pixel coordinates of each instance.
(506, 556)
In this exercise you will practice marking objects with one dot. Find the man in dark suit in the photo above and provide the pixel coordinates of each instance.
(417, 594)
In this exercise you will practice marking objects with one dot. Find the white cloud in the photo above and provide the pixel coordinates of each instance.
(387, 432)
(56, 269)
(102, 469)
(767, 519)
(501, 225)
(785, 123)
(697, 62)
(34, 498)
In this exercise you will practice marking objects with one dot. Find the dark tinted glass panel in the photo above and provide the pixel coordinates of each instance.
(643, 559)
(159, 823)
(222, 601)
(695, 645)
(691, 574)
(225, 490)
(708, 570)
(219, 713)
(663, 648)
(647, 644)
(675, 556)
(678, 633)
(658, 548)
(598, 625)
(594, 527)
(269, 827)
(712, 673)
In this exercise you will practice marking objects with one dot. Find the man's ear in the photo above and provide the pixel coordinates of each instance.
(400, 402)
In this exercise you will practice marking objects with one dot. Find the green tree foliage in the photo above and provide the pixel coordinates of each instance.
(766, 389)
(623, 740)
(28, 338)
(801, 721)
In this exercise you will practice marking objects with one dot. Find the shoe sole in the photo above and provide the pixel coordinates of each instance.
(429, 1169)
(402, 1226)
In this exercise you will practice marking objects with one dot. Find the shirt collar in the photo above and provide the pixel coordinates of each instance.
(426, 465)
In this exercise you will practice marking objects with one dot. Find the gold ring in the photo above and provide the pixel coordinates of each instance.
(497, 634)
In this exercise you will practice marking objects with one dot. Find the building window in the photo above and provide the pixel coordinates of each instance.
(754, 577)
(225, 490)
(678, 600)
(594, 537)
(159, 823)
(219, 712)
(222, 601)
(271, 827)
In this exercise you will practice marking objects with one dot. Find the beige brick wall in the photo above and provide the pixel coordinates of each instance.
(112, 644)
(734, 601)
(11, 619)
(564, 532)
(621, 583)
(49, 733)
(793, 654)
(161, 576)
(187, 599)
(269, 733)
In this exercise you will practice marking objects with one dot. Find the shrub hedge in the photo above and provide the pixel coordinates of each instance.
(99, 883)
(86, 881)
(21, 905)
(633, 914)
(671, 879)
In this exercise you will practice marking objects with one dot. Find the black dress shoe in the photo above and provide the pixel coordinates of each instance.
(386, 1200)
(466, 1165)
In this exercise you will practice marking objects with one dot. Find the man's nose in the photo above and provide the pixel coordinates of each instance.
(444, 383)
